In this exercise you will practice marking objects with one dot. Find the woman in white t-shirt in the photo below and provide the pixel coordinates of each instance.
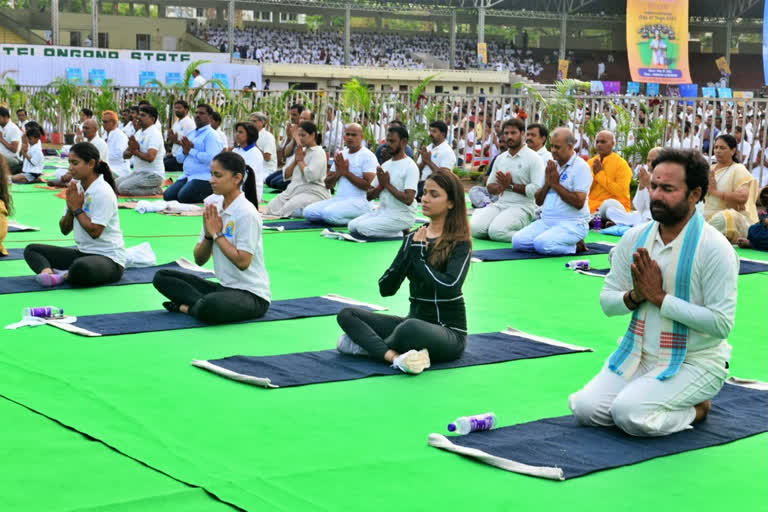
(246, 136)
(231, 233)
(91, 212)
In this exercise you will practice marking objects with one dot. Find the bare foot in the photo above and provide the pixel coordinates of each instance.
(702, 410)
(581, 247)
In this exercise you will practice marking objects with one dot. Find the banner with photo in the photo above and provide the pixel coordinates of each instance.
(562, 68)
(651, 89)
(657, 41)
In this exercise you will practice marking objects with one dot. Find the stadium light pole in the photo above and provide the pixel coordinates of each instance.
(347, 13)
(728, 35)
(231, 27)
(563, 28)
(452, 54)
(55, 22)
(95, 23)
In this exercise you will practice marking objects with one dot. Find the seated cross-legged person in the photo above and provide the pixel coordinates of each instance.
(563, 199)
(231, 233)
(611, 176)
(246, 137)
(395, 184)
(757, 234)
(353, 170)
(146, 149)
(198, 148)
(516, 176)
(435, 259)
(91, 211)
(307, 173)
(677, 276)
(32, 157)
(437, 156)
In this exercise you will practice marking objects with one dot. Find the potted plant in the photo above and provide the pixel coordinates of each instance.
(66, 94)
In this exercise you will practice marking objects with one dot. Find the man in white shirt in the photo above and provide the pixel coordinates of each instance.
(21, 116)
(183, 125)
(197, 79)
(563, 199)
(677, 276)
(516, 176)
(749, 152)
(220, 135)
(437, 156)
(536, 139)
(10, 141)
(353, 170)
(117, 144)
(395, 185)
(129, 115)
(147, 150)
(642, 201)
(91, 134)
(266, 142)
(32, 157)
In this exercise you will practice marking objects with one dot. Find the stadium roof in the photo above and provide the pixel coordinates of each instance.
(704, 10)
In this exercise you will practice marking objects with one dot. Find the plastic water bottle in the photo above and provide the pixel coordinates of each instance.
(574, 264)
(467, 424)
(597, 222)
(43, 312)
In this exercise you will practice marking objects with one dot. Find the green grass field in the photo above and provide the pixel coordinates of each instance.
(174, 437)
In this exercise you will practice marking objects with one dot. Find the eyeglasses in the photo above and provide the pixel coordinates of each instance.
(351, 134)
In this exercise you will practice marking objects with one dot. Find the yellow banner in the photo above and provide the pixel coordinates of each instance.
(657, 41)
(482, 53)
(723, 66)
(562, 69)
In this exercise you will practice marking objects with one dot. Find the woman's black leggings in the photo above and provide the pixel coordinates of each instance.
(379, 333)
(208, 301)
(83, 269)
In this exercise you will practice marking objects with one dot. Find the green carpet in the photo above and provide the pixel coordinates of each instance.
(358, 445)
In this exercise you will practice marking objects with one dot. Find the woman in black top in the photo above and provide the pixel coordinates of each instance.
(435, 259)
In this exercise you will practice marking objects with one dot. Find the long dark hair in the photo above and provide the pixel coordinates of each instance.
(5, 190)
(250, 131)
(730, 140)
(456, 226)
(235, 164)
(88, 152)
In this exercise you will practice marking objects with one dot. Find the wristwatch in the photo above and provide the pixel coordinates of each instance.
(77, 212)
(217, 236)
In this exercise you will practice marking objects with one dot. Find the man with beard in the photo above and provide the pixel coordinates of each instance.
(516, 177)
(677, 276)
(437, 156)
(563, 199)
(183, 125)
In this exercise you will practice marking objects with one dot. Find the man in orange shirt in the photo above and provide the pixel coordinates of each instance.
(610, 177)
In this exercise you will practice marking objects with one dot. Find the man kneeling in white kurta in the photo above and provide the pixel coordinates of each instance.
(677, 276)
(352, 171)
(395, 184)
(516, 177)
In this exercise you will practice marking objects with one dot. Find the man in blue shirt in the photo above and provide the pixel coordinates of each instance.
(198, 148)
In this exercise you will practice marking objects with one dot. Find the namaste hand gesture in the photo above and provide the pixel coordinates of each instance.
(426, 156)
(186, 145)
(212, 222)
(75, 198)
(597, 165)
(341, 165)
(421, 235)
(382, 176)
(712, 182)
(133, 145)
(504, 179)
(646, 275)
(551, 176)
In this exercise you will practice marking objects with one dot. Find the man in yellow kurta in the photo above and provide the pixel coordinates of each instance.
(610, 177)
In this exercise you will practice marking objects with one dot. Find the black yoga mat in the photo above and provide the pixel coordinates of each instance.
(290, 225)
(15, 254)
(559, 448)
(21, 284)
(21, 229)
(303, 368)
(161, 320)
(511, 254)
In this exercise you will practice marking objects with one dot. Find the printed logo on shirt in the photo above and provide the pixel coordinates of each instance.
(564, 176)
(87, 204)
(229, 229)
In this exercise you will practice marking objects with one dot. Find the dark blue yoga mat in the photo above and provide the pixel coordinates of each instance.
(22, 284)
(16, 229)
(303, 368)
(162, 320)
(16, 254)
(511, 254)
(362, 238)
(563, 449)
(290, 225)
(745, 267)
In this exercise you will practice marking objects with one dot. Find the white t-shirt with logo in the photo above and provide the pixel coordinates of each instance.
(526, 168)
(117, 143)
(100, 206)
(181, 128)
(11, 133)
(575, 176)
(403, 175)
(360, 162)
(442, 156)
(242, 228)
(150, 138)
